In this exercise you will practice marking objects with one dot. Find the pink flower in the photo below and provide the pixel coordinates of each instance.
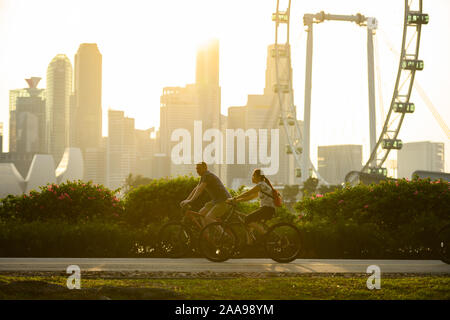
(366, 206)
(341, 201)
(415, 193)
(319, 195)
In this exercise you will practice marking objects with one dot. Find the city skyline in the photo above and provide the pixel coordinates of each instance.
(322, 132)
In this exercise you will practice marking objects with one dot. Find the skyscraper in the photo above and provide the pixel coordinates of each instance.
(179, 109)
(1, 137)
(57, 113)
(88, 96)
(120, 150)
(208, 89)
(334, 162)
(424, 155)
(262, 111)
(27, 118)
(207, 67)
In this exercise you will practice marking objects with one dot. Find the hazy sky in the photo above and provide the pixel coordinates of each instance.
(147, 45)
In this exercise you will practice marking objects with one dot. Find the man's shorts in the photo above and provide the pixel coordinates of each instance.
(263, 213)
(215, 210)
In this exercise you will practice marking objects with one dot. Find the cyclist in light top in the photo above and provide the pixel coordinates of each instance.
(263, 190)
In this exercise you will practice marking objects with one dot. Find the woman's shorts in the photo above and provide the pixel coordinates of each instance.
(263, 213)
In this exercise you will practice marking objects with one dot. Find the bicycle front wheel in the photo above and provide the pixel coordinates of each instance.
(444, 244)
(217, 242)
(174, 240)
(282, 242)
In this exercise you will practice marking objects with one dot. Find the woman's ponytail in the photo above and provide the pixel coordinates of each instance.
(267, 181)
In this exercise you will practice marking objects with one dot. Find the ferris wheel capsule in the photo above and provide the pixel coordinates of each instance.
(415, 18)
(395, 144)
(280, 17)
(401, 107)
(379, 171)
(411, 64)
(298, 172)
(288, 149)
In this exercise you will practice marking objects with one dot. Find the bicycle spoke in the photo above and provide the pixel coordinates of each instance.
(282, 242)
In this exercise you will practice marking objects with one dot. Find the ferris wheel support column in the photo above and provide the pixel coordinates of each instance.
(307, 108)
(371, 82)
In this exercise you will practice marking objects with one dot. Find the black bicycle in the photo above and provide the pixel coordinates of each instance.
(178, 238)
(232, 237)
(444, 244)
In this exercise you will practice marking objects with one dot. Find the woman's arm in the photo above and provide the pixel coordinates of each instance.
(248, 195)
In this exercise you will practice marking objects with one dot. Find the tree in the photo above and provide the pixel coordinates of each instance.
(290, 193)
(132, 182)
(310, 186)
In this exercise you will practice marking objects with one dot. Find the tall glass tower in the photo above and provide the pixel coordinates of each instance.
(58, 106)
(88, 96)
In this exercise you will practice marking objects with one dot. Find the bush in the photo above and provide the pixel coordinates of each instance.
(62, 239)
(70, 201)
(393, 218)
(159, 200)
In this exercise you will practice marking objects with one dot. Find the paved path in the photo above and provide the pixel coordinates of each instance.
(235, 265)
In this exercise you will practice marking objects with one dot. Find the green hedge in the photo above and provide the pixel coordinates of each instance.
(160, 199)
(390, 219)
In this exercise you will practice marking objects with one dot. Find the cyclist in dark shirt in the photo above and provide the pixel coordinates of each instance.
(216, 190)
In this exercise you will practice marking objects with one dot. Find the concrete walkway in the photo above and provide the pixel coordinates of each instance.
(234, 265)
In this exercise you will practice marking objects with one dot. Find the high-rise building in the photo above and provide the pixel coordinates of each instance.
(425, 155)
(95, 163)
(263, 112)
(1, 137)
(120, 149)
(237, 174)
(179, 109)
(208, 90)
(145, 148)
(87, 117)
(207, 66)
(334, 162)
(88, 96)
(27, 119)
(58, 106)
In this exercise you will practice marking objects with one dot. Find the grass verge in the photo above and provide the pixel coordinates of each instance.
(332, 287)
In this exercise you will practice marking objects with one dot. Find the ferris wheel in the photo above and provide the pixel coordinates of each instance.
(400, 106)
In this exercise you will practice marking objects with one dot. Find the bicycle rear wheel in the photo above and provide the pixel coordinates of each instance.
(282, 242)
(217, 242)
(444, 244)
(174, 240)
